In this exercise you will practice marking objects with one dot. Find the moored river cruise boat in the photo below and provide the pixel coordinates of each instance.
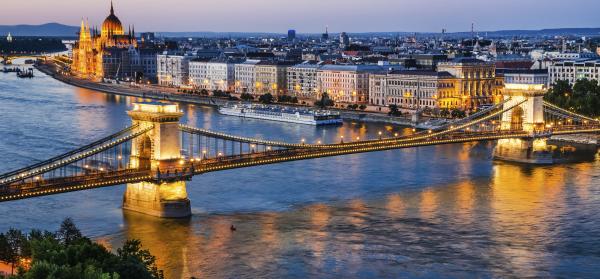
(283, 114)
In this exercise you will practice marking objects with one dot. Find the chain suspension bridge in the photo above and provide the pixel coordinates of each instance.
(156, 154)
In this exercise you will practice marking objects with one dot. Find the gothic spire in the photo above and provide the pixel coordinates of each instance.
(87, 27)
(82, 29)
(112, 10)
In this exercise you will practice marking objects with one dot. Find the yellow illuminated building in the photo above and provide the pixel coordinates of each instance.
(465, 84)
(88, 52)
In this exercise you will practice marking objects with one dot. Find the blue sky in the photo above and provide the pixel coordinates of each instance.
(312, 15)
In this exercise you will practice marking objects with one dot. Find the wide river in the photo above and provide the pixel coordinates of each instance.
(447, 211)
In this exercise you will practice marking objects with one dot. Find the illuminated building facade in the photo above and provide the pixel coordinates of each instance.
(465, 84)
(302, 80)
(412, 89)
(346, 83)
(573, 70)
(213, 75)
(271, 78)
(92, 45)
(173, 68)
(245, 76)
(476, 83)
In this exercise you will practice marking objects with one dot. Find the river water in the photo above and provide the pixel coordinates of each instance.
(442, 211)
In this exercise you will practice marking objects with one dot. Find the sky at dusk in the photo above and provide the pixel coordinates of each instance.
(310, 16)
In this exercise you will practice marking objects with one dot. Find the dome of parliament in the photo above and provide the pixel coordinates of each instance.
(112, 25)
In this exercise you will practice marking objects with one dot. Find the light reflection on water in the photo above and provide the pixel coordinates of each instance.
(515, 224)
(423, 212)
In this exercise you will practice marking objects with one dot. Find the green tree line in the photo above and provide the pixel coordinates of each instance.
(31, 45)
(583, 97)
(67, 254)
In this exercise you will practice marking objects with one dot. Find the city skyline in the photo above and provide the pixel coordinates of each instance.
(235, 138)
(311, 16)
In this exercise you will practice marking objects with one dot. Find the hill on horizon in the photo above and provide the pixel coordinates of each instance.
(44, 30)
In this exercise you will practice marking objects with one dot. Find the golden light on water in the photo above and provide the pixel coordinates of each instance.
(429, 204)
(395, 206)
(513, 209)
(465, 201)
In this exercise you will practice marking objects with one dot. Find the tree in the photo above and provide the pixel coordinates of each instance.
(362, 107)
(7, 253)
(51, 257)
(583, 97)
(134, 258)
(68, 232)
(324, 101)
(456, 113)
(394, 111)
(266, 98)
(204, 92)
(283, 99)
(246, 97)
(444, 113)
(427, 111)
(15, 239)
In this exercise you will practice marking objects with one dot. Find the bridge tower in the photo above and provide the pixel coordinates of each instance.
(528, 116)
(158, 151)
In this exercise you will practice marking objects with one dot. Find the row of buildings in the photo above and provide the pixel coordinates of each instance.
(464, 83)
(434, 73)
(573, 70)
(113, 53)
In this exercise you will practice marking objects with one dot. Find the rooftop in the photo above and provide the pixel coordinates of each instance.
(352, 68)
(523, 71)
(442, 74)
(464, 60)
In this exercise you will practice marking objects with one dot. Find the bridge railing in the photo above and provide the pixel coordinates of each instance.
(569, 114)
(64, 183)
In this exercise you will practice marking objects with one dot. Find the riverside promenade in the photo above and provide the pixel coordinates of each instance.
(170, 94)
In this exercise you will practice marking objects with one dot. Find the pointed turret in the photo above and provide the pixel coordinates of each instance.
(82, 29)
(87, 27)
(112, 10)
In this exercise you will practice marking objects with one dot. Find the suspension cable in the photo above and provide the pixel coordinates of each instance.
(69, 157)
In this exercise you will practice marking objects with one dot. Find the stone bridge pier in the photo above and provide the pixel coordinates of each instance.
(159, 151)
(528, 117)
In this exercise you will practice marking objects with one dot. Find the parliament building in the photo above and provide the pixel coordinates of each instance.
(94, 54)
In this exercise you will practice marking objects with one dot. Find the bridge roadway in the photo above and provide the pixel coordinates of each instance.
(186, 170)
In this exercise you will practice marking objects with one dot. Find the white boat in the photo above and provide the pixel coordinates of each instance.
(431, 124)
(283, 114)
